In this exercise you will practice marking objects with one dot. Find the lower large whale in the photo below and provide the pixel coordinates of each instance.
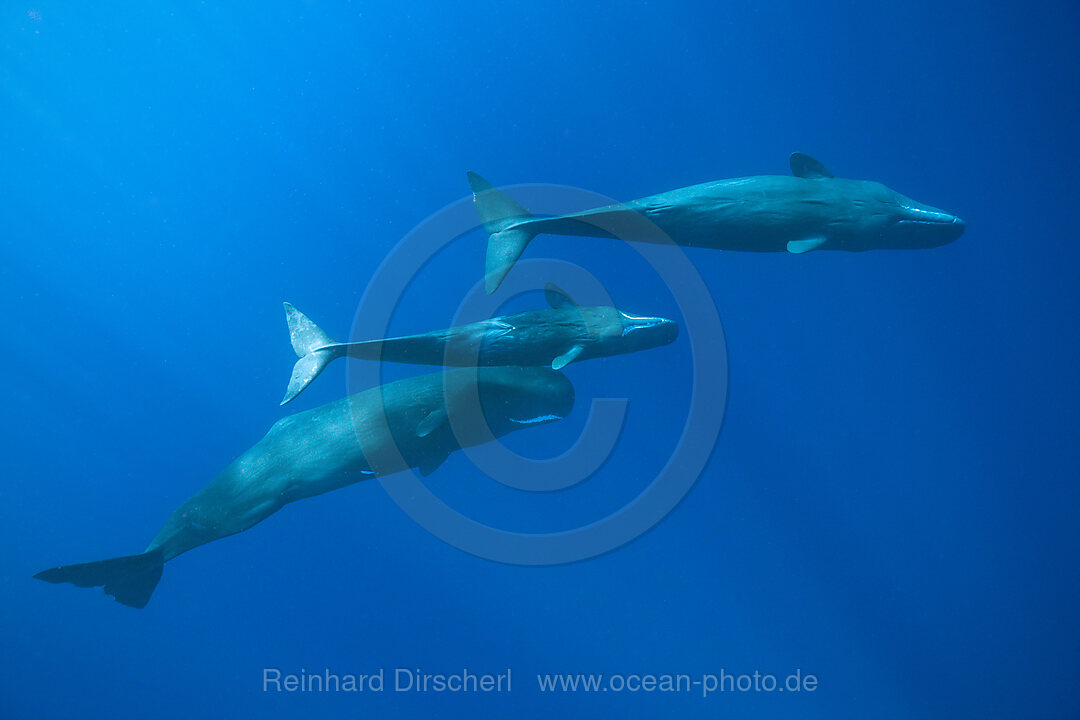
(384, 430)
(813, 210)
(557, 337)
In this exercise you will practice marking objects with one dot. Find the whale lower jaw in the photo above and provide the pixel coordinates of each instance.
(536, 420)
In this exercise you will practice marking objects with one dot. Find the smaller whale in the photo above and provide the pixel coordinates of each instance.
(556, 337)
(381, 431)
(812, 210)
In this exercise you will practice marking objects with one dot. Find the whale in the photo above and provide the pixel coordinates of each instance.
(809, 210)
(555, 337)
(374, 433)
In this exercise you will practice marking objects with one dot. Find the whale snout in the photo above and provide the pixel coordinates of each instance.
(922, 226)
(648, 332)
(953, 229)
(669, 330)
(958, 226)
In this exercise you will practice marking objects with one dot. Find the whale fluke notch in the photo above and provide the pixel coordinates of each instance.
(130, 580)
(804, 166)
(314, 347)
(506, 223)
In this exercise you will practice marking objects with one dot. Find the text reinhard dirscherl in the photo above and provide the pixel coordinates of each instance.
(414, 680)
(400, 680)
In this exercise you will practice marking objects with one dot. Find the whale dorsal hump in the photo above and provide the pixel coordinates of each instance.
(804, 166)
(557, 297)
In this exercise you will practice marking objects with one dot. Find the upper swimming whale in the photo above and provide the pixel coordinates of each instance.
(809, 210)
(555, 337)
(384, 430)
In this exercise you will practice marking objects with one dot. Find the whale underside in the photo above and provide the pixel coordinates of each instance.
(378, 432)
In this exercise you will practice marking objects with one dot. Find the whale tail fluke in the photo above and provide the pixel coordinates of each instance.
(130, 579)
(507, 224)
(314, 347)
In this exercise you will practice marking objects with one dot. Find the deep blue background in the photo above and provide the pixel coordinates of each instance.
(892, 504)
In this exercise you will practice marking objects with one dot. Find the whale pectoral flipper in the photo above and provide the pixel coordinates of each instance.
(567, 357)
(804, 166)
(432, 422)
(130, 579)
(797, 247)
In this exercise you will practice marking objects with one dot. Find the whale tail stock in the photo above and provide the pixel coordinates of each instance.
(130, 580)
(314, 348)
(508, 234)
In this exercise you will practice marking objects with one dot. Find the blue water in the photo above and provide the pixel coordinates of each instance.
(891, 506)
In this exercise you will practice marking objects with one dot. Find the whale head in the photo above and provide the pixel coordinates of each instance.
(866, 215)
(524, 396)
(892, 221)
(915, 225)
(510, 398)
(610, 331)
(603, 330)
(640, 332)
